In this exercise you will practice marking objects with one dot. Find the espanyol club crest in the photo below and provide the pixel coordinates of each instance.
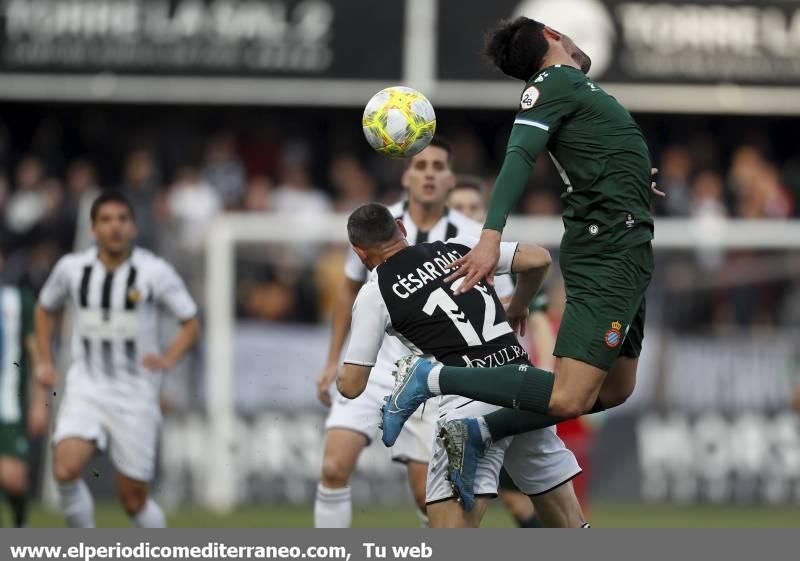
(614, 335)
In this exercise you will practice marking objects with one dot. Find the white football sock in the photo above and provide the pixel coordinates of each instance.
(433, 380)
(333, 508)
(151, 516)
(77, 504)
(424, 522)
(485, 434)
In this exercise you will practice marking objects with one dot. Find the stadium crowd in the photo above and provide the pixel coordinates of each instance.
(180, 171)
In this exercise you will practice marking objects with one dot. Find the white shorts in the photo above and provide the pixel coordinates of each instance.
(537, 461)
(363, 415)
(129, 431)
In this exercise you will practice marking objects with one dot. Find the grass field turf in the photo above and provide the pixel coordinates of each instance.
(602, 516)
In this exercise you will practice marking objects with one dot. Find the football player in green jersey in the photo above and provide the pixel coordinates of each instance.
(606, 256)
(23, 403)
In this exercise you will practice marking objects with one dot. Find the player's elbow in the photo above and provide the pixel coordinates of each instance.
(349, 384)
(534, 258)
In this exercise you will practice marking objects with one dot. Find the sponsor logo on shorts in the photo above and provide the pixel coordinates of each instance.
(614, 335)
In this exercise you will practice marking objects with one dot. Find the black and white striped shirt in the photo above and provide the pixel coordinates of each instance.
(117, 313)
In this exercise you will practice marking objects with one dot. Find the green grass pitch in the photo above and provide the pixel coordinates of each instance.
(603, 515)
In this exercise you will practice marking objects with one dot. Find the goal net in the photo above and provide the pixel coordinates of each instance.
(710, 419)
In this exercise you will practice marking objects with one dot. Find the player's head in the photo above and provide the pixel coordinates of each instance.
(374, 233)
(520, 48)
(429, 177)
(467, 197)
(113, 222)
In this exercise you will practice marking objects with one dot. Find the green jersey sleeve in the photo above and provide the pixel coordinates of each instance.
(545, 103)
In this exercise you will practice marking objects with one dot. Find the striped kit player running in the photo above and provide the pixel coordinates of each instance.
(111, 400)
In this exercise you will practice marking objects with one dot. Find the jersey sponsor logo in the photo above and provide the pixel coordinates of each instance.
(529, 97)
(500, 357)
(613, 336)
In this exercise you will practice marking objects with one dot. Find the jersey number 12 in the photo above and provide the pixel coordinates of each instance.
(491, 330)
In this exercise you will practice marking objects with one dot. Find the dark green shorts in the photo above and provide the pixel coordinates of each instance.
(13, 441)
(604, 314)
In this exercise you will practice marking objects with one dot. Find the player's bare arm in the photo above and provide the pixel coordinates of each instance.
(183, 341)
(37, 413)
(531, 264)
(45, 371)
(340, 327)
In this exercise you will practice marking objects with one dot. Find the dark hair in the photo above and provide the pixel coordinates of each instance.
(470, 182)
(370, 225)
(517, 47)
(444, 144)
(110, 197)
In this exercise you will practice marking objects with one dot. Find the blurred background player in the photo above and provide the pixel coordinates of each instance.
(112, 388)
(23, 405)
(469, 197)
(352, 424)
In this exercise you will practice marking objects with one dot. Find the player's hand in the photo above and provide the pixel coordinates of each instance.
(37, 420)
(47, 375)
(518, 318)
(653, 189)
(156, 362)
(324, 384)
(480, 263)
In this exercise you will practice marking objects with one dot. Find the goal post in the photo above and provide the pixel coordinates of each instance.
(231, 229)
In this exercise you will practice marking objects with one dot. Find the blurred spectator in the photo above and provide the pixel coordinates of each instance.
(675, 168)
(191, 204)
(141, 187)
(541, 203)
(224, 170)
(352, 185)
(297, 194)
(82, 189)
(28, 204)
(468, 197)
(707, 195)
(257, 197)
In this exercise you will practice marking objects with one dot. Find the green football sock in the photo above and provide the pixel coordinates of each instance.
(514, 385)
(19, 507)
(508, 422)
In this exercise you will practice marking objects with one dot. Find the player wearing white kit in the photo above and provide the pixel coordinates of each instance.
(409, 298)
(351, 425)
(111, 400)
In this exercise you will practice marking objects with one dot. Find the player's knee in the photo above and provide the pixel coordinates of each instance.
(568, 406)
(15, 484)
(616, 394)
(65, 471)
(132, 499)
(335, 473)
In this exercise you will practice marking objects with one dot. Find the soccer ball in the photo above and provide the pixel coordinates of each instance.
(399, 122)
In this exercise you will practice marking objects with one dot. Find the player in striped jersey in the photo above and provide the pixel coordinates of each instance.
(352, 424)
(111, 401)
(23, 410)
